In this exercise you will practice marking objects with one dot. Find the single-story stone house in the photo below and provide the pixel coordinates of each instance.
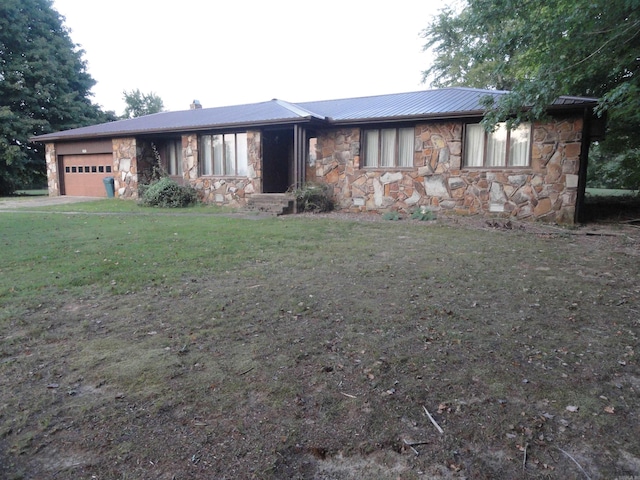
(395, 152)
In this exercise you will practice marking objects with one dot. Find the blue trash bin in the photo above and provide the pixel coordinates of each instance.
(109, 186)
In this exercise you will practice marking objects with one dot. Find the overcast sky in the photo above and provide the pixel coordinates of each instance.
(244, 51)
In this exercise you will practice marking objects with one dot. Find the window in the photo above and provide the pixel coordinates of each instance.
(501, 148)
(173, 157)
(224, 154)
(389, 147)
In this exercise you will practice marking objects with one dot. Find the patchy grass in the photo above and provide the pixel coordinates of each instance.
(114, 205)
(206, 346)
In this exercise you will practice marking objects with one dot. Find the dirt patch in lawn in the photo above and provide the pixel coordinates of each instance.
(444, 351)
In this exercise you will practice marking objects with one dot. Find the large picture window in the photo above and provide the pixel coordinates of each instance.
(502, 148)
(224, 155)
(389, 147)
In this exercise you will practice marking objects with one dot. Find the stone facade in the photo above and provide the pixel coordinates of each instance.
(53, 179)
(125, 167)
(546, 190)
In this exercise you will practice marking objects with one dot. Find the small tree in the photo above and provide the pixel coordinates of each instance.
(140, 104)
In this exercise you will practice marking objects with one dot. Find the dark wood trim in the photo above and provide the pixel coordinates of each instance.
(579, 213)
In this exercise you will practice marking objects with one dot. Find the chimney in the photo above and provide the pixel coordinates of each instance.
(195, 105)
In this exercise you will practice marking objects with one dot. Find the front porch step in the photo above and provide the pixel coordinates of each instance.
(273, 203)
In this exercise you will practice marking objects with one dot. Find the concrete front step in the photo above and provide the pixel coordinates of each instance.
(273, 203)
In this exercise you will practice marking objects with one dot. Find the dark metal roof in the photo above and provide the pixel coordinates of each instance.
(272, 112)
(442, 103)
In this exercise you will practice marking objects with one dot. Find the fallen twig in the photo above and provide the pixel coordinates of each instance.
(410, 445)
(415, 444)
(574, 461)
(524, 458)
(246, 371)
(348, 395)
(435, 424)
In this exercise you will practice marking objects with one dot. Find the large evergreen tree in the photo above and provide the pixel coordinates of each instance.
(543, 49)
(44, 87)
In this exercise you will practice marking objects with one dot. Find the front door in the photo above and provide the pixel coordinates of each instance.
(277, 160)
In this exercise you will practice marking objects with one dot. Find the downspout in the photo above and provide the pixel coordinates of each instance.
(579, 214)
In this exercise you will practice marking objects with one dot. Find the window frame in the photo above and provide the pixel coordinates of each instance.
(396, 148)
(508, 147)
(212, 165)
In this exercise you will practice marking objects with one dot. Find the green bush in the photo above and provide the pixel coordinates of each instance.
(313, 197)
(166, 193)
(391, 216)
(423, 214)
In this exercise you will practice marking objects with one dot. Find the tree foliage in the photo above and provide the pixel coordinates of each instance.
(139, 104)
(44, 87)
(541, 50)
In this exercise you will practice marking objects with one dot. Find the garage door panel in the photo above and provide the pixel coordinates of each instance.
(83, 174)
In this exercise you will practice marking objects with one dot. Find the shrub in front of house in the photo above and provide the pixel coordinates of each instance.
(166, 193)
(423, 214)
(314, 197)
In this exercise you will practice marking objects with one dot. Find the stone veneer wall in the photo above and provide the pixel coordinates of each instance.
(125, 167)
(230, 191)
(53, 178)
(546, 190)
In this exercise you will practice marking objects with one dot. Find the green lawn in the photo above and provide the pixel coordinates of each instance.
(610, 192)
(143, 343)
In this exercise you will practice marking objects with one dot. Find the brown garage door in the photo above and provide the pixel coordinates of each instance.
(83, 174)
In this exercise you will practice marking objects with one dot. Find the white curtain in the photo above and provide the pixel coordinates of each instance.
(207, 159)
(497, 147)
(371, 153)
(388, 148)
(175, 160)
(242, 157)
(218, 155)
(230, 154)
(519, 146)
(474, 145)
(405, 147)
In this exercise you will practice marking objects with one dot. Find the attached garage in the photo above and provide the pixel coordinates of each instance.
(82, 167)
(83, 174)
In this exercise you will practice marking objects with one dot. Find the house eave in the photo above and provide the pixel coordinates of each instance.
(52, 138)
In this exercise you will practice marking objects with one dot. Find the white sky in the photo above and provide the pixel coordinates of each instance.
(227, 52)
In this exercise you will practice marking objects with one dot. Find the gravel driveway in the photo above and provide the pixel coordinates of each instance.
(15, 203)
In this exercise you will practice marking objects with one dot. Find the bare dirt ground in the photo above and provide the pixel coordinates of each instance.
(519, 340)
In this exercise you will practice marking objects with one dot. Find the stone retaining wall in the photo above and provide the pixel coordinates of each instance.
(546, 190)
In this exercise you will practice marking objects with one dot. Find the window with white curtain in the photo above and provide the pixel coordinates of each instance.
(502, 148)
(173, 157)
(389, 147)
(224, 155)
